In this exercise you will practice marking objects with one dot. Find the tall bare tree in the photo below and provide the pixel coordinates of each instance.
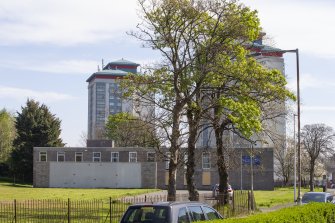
(317, 140)
(128, 130)
(284, 159)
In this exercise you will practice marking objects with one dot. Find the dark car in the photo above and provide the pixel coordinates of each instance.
(169, 212)
(317, 197)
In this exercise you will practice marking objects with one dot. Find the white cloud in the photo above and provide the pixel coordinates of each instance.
(302, 24)
(311, 81)
(65, 22)
(83, 67)
(42, 96)
(319, 108)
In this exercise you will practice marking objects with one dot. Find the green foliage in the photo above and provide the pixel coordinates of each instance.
(7, 134)
(202, 44)
(310, 213)
(127, 130)
(244, 86)
(36, 127)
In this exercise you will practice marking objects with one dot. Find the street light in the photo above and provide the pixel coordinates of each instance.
(296, 51)
(295, 160)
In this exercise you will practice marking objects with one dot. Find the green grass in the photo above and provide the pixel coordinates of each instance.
(279, 196)
(8, 191)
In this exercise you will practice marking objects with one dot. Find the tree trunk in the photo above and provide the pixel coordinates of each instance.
(193, 131)
(223, 174)
(174, 150)
(192, 191)
(222, 169)
(172, 178)
(311, 175)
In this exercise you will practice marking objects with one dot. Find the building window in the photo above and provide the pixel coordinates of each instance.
(100, 102)
(150, 157)
(132, 157)
(114, 98)
(43, 156)
(79, 157)
(115, 157)
(185, 161)
(206, 162)
(167, 160)
(60, 156)
(96, 157)
(205, 136)
(90, 111)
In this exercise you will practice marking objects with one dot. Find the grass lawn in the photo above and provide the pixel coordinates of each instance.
(278, 196)
(8, 191)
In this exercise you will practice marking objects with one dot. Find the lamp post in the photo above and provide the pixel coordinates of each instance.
(252, 176)
(241, 171)
(295, 160)
(296, 51)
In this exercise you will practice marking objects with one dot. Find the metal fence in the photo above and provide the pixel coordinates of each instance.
(110, 210)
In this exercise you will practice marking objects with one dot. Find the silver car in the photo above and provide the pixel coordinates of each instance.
(215, 191)
(169, 212)
(322, 197)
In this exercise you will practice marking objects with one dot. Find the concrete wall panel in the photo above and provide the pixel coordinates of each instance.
(95, 175)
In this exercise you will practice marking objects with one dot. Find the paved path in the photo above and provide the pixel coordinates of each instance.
(277, 207)
(183, 193)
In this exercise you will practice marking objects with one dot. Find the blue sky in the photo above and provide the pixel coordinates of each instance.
(49, 48)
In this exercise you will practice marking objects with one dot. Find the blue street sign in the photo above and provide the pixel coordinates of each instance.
(255, 161)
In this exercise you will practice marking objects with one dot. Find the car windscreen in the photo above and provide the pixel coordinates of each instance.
(146, 214)
(313, 198)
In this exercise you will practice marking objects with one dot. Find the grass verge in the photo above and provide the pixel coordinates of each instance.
(279, 196)
(9, 191)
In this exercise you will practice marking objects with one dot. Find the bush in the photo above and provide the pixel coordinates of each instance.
(310, 213)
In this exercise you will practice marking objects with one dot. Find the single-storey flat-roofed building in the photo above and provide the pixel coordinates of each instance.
(137, 167)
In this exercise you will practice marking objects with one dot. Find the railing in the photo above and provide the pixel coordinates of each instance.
(109, 211)
(241, 203)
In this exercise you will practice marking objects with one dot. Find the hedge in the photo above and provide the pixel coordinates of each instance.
(310, 213)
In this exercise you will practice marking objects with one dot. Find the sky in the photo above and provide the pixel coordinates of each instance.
(49, 48)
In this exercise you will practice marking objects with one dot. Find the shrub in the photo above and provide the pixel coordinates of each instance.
(310, 213)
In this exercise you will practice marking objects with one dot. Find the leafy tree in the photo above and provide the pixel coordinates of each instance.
(127, 130)
(83, 139)
(317, 141)
(202, 44)
(239, 89)
(7, 135)
(35, 126)
(173, 27)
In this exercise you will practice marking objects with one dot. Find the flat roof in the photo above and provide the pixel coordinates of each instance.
(106, 74)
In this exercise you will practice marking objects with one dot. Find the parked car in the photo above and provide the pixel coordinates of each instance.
(169, 212)
(317, 197)
(215, 190)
